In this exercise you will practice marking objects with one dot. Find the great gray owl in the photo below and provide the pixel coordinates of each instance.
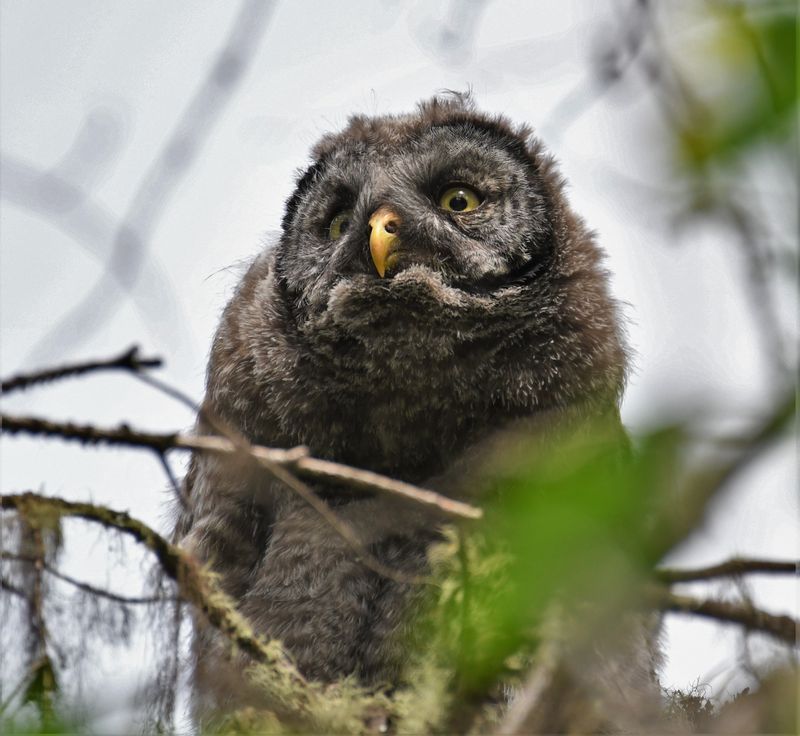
(431, 287)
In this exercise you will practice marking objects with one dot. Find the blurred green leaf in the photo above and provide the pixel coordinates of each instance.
(758, 95)
(572, 524)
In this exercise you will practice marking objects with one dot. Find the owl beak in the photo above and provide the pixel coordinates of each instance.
(383, 238)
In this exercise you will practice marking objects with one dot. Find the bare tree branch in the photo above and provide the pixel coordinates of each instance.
(127, 361)
(341, 528)
(177, 395)
(295, 460)
(783, 628)
(177, 487)
(757, 280)
(730, 568)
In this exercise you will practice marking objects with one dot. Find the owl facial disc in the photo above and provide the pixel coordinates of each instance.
(383, 238)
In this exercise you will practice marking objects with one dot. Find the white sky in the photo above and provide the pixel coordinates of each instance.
(130, 68)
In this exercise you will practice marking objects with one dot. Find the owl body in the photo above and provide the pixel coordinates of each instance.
(492, 311)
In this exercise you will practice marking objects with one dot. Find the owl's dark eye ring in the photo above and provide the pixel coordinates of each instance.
(339, 224)
(459, 198)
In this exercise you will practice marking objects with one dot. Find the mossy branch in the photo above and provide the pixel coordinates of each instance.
(195, 583)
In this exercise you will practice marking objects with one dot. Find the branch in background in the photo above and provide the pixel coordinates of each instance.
(295, 460)
(730, 568)
(783, 628)
(131, 246)
(196, 584)
(127, 361)
(85, 587)
(762, 299)
(85, 222)
(683, 511)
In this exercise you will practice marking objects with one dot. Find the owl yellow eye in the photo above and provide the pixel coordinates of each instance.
(459, 198)
(339, 224)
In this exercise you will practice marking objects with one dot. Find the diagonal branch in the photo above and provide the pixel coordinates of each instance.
(342, 528)
(127, 361)
(295, 460)
(782, 627)
(730, 568)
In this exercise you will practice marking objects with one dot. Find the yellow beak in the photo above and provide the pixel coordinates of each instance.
(383, 238)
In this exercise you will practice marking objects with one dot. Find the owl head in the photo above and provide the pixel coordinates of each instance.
(462, 195)
(446, 220)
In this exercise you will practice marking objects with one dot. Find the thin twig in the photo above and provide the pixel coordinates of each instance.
(757, 281)
(367, 480)
(127, 361)
(171, 391)
(730, 568)
(85, 587)
(294, 460)
(781, 627)
(175, 484)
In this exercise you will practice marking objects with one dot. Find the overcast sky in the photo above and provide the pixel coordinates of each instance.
(90, 90)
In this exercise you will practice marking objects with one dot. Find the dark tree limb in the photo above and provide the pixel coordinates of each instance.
(782, 627)
(730, 568)
(127, 361)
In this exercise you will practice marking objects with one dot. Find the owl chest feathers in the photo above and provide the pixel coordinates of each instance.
(397, 379)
